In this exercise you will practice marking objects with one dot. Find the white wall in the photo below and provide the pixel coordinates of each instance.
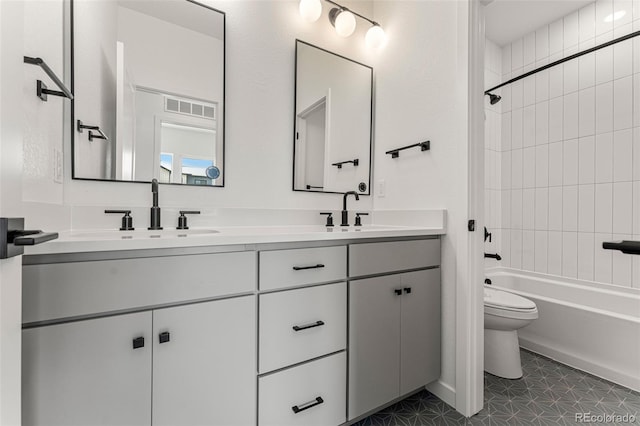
(43, 121)
(571, 148)
(11, 135)
(259, 145)
(421, 93)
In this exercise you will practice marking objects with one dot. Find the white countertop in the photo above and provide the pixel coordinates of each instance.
(114, 240)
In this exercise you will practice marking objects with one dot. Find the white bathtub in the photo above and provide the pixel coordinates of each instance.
(590, 326)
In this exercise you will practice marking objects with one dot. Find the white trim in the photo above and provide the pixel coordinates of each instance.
(469, 292)
(443, 391)
(575, 361)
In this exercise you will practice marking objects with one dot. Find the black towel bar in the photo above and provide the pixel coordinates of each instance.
(41, 88)
(339, 165)
(424, 146)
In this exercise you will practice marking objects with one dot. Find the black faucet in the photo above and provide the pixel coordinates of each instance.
(155, 210)
(345, 213)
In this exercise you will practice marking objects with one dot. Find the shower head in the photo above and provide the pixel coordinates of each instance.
(493, 99)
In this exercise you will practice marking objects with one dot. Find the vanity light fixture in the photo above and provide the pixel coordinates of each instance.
(343, 20)
(310, 10)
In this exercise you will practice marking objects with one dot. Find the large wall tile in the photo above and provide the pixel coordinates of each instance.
(587, 160)
(554, 261)
(585, 255)
(623, 155)
(541, 251)
(586, 208)
(623, 103)
(604, 158)
(542, 166)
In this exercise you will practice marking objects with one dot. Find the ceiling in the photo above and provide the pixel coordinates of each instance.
(509, 20)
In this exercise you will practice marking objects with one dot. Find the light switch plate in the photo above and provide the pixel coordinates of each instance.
(382, 188)
(57, 166)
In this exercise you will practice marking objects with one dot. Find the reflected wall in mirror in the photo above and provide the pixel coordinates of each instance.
(332, 134)
(149, 74)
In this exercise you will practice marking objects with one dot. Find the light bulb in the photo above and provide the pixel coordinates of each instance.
(310, 10)
(345, 23)
(375, 37)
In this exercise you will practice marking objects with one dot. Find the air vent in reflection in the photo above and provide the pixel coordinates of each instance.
(189, 107)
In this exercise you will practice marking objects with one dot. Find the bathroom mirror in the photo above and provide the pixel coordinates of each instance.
(148, 80)
(332, 123)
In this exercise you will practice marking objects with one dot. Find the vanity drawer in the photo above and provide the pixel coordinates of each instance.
(289, 268)
(316, 390)
(379, 258)
(60, 290)
(298, 325)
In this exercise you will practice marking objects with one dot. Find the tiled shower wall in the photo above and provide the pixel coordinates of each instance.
(493, 151)
(569, 149)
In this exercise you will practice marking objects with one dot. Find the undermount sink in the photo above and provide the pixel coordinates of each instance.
(141, 234)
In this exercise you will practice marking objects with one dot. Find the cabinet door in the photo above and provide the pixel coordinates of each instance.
(374, 342)
(420, 348)
(204, 372)
(88, 373)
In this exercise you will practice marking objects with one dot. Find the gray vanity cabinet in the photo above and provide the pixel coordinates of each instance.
(196, 367)
(204, 368)
(88, 373)
(394, 324)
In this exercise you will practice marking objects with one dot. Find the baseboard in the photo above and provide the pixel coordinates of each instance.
(443, 391)
(575, 361)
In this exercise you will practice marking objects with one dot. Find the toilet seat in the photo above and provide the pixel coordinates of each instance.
(504, 304)
(524, 314)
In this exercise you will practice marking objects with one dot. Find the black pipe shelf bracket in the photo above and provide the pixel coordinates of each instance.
(100, 135)
(355, 162)
(625, 246)
(41, 89)
(424, 146)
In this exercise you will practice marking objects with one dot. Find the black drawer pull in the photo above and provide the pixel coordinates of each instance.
(138, 342)
(407, 290)
(301, 268)
(298, 408)
(304, 327)
(164, 337)
(398, 291)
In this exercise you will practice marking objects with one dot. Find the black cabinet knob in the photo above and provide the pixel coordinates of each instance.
(407, 290)
(164, 337)
(398, 291)
(138, 342)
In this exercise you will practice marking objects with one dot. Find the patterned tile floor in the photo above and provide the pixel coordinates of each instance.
(549, 393)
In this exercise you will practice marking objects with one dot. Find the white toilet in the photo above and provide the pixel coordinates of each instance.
(504, 314)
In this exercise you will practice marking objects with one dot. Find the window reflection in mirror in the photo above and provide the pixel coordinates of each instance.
(332, 135)
(150, 74)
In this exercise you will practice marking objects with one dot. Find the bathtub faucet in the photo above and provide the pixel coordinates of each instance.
(493, 256)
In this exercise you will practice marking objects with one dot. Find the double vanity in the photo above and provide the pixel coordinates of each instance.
(234, 325)
(269, 326)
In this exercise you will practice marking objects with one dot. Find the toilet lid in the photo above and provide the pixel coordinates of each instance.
(504, 299)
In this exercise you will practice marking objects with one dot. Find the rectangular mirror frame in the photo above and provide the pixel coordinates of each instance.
(73, 124)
